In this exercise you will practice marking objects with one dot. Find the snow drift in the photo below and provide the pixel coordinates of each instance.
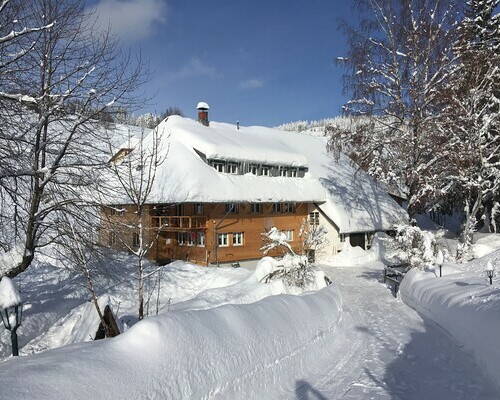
(463, 303)
(191, 354)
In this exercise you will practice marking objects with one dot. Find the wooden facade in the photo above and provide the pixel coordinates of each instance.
(208, 233)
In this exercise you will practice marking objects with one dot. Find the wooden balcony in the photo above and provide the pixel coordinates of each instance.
(179, 223)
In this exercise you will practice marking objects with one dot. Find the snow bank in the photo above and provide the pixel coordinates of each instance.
(485, 244)
(462, 303)
(191, 354)
(351, 256)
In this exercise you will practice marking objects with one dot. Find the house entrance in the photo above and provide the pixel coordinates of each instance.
(357, 239)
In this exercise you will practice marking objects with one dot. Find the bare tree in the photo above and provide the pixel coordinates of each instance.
(133, 180)
(17, 39)
(71, 74)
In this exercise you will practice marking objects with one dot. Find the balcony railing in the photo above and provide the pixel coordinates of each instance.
(177, 223)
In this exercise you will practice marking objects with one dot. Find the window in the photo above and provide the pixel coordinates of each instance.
(342, 237)
(198, 208)
(200, 242)
(314, 218)
(219, 166)
(256, 208)
(135, 239)
(289, 236)
(192, 238)
(116, 211)
(254, 169)
(283, 171)
(292, 173)
(231, 208)
(276, 207)
(222, 239)
(232, 168)
(181, 238)
(265, 170)
(238, 239)
(112, 238)
(289, 207)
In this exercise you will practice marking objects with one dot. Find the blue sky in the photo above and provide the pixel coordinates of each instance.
(261, 62)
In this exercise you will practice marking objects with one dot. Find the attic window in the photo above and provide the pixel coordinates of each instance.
(236, 167)
(198, 208)
(256, 208)
(120, 155)
(219, 166)
(232, 168)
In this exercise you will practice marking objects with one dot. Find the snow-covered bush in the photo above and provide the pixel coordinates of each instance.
(293, 269)
(419, 247)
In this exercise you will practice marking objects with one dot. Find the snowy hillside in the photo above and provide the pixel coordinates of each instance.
(317, 128)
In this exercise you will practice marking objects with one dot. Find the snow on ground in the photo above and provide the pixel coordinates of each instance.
(56, 300)
(484, 244)
(282, 347)
(351, 340)
(463, 302)
(232, 351)
(58, 310)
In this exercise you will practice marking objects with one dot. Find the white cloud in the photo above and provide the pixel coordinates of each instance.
(131, 20)
(251, 84)
(195, 68)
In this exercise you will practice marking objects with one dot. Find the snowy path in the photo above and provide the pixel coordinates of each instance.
(390, 352)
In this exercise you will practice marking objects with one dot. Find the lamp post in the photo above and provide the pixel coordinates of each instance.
(11, 318)
(490, 271)
(11, 310)
(439, 261)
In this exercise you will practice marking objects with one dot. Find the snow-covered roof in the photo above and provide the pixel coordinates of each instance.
(348, 196)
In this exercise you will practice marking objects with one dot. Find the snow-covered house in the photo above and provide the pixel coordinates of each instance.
(220, 186)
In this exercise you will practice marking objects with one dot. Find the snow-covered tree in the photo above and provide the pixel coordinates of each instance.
(294, 269)
(396, 66)
(419, 247)
(54, 147)
(148, 120)
(471, 118)
(171, 111)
